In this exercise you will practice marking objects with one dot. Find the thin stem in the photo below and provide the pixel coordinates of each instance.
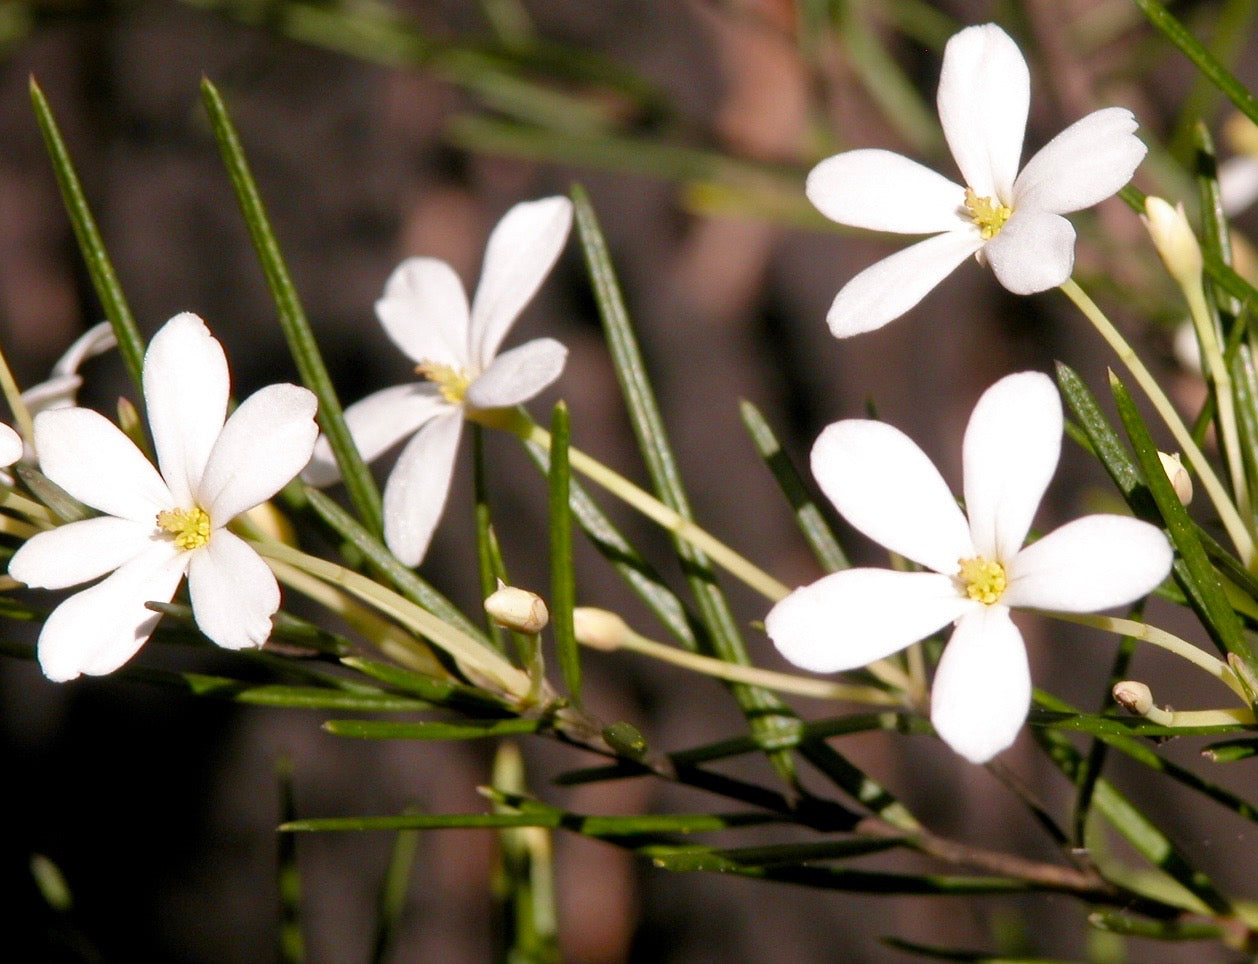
(13, 395)
(1160, 638)
(35, 511)
(729, 560)
(1228, 514)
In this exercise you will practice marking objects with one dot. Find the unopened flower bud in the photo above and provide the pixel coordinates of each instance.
(1174, 239)
(599, 628)
(1133, 696)
(1181, 481)
(517, 609)
(1241, 134)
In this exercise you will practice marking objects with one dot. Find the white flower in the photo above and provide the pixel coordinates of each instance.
(886, 487)
(1238, 176)
(425, 311)
(157, 527)
(1009, 220)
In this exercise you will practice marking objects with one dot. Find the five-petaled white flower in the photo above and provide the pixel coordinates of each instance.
(157, 527)
(887, 488)
(1009, 220)
(425, 312)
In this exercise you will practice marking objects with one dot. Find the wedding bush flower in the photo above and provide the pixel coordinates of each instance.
(887, 488)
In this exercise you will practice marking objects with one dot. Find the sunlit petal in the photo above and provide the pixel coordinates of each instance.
(424, 311)
(80, 551)
(884, 191)
(1083, 165)
(854, 617)
(982, 688)
(1033, 252)
(234, 593)
(517, 375)
(417, 488)
(10, 445)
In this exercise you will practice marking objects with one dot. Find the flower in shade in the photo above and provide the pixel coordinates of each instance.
(976, 568)
(1010, 220)
(455, 350)
(159, 524)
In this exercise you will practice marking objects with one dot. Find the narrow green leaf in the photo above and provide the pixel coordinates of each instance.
(292, 947)
(620, 827)
(301, 341)
(562, 574)
(1128, 925)
(298, 697)
(808, 515)
(1104, 727)
(1105, 443)
(99, 267)
(394, 891)
(439, 692)
(1230, 751)
(858, 784)
(698, 857)
(403, 579)
(489, 562)
(63, 505)
(766, 714)
(1192, 568)
(467, 730)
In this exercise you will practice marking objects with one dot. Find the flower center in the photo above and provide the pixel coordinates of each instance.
(190, 527)
(984, 579)
(988, 213)
(450, 381)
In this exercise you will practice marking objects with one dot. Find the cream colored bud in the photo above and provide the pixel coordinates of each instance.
(599, 628)
(1133, 696)
(517, 609)
(1241, 134)
(1181, 481)
(1174, 239)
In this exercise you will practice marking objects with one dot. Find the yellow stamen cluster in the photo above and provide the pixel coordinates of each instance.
(988, 213)
(451, 381)
(984, 579)
(190, 527)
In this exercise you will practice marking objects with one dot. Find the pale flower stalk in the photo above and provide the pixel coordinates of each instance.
(455, 350)
(976, 568)
(159, 524)
(1009, 220)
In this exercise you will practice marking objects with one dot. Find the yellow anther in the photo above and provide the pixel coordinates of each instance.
(451, 382)
(190, 527)
(988, 213)
(984, 579)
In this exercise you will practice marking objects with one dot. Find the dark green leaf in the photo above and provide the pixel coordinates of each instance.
(562, 574)
(467, 730)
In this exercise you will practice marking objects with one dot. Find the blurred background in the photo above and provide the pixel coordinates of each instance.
(381, 130)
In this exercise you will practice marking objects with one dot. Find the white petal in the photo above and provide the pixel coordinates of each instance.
(98, 629)
(1097, 562)
(1010, 453)
(1033, 252)
(521, 251)
(90, 457)
(982, 688)
(886, 487)
(854, 617)
(415, 494)
(263, 446)
(984, 94)
(80, 551)
(234, 593)
(890, 287)
(884, 191)
(424, 310)
(1238, 183)
(95, 341)
(185, 391)
(1083, 165)
(11, 446)
(377, 423)
(58, 392)
(517, 375)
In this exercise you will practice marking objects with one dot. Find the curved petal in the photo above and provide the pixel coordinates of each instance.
(983, 98)
(377, 423)
(884, 191)
(885, 486)
(890, 287)
(854, 617)
(1033, 252)
(263, 446)
(95, 341)
(234, 593)
(1083, 165)
(521, 251)
(1011, 449)
(80, 551)
(982, 688)
(89, 457)
(58, 392)
(1097, 562)
(415, 494)
(185, 391)
(1238, 183)
(424, 311)
(517, 375)
(11, 446)
(98, 629)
